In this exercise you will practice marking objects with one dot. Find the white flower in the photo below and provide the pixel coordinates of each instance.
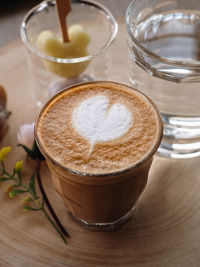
(25, 135)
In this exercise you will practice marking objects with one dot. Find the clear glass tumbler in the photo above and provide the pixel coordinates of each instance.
(164, 63)
(99, 24)
(100, 201)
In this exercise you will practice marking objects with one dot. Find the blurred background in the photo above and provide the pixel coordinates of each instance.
(12, 13)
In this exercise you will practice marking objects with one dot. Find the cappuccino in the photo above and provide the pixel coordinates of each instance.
(98, 128)
(98, 139)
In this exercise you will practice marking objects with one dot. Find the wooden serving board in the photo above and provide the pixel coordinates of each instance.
(164, 231)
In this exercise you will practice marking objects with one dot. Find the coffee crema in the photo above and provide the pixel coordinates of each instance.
(98, 128)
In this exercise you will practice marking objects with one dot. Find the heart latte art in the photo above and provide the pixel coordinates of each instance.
(98, 127)
(97, 121)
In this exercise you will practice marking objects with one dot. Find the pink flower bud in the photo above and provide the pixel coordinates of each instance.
(25, 135)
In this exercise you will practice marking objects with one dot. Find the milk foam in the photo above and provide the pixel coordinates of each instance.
(98, 121)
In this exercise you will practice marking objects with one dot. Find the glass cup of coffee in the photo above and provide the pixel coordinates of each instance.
(54, 64)
(164, 63)
(99, 139)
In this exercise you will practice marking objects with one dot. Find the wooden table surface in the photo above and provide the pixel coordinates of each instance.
(164, 231)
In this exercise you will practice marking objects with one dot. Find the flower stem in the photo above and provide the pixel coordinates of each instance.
(53, 224)
(61, 227)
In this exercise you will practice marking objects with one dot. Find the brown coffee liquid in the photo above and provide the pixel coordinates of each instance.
(66, 144)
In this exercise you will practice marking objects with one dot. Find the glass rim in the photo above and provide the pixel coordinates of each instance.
(147, 51)
(144, 159)
(40, 7)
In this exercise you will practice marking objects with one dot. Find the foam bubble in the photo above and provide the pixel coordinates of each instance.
(97, 121)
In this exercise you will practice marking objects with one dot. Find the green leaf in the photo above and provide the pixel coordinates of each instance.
(28, 151)
(36, 152)
(32, 186)
(25, 208)
(33, 153)
(15, 192)
(2, 179)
